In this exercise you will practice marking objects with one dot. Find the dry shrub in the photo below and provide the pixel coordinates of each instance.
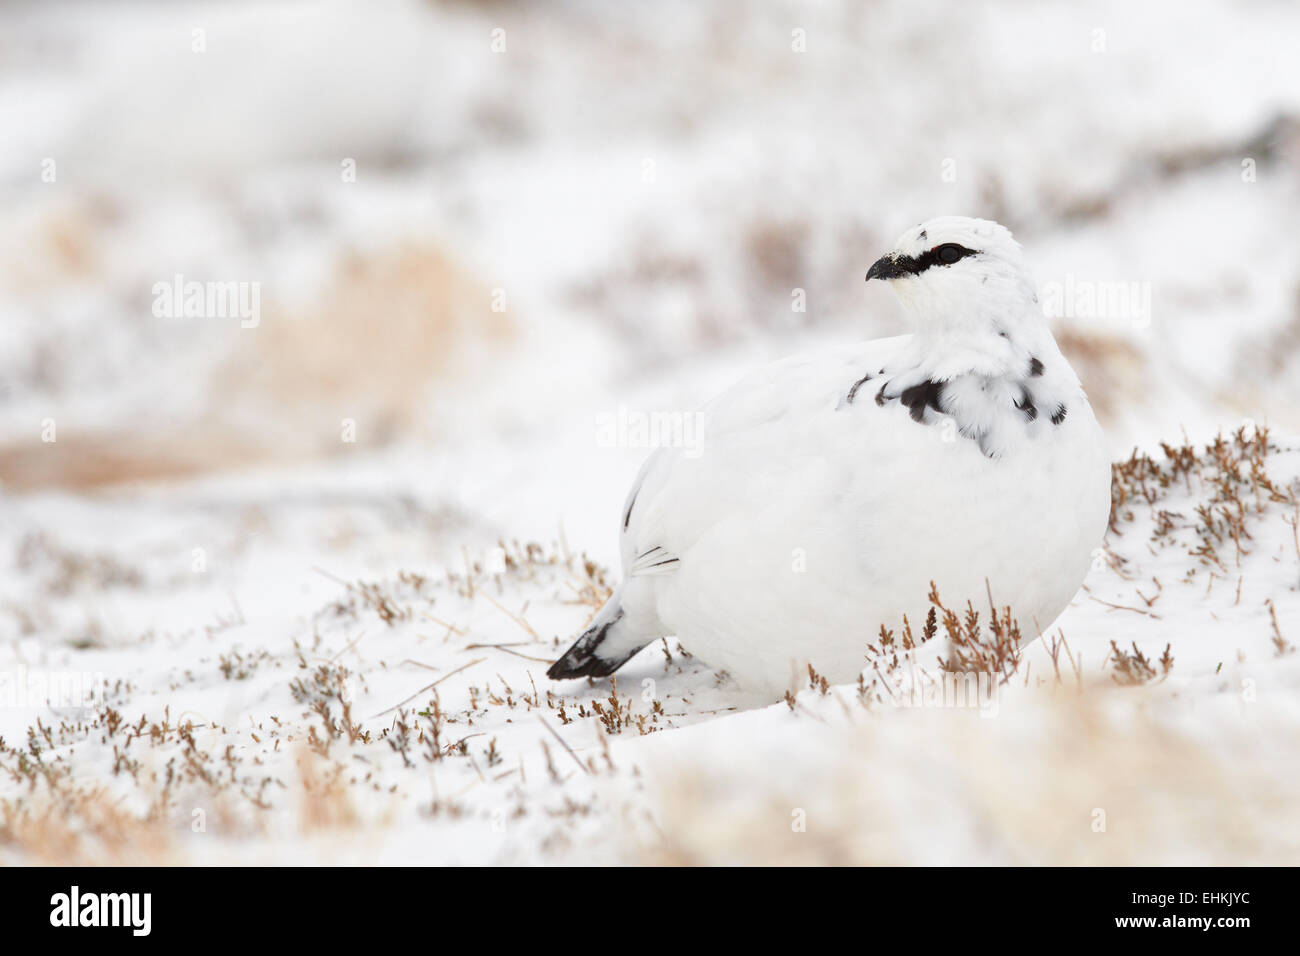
(1073, 786)
(389, 324)
(324, 801)
(83, 825)
(1235, 491)
(387, 327)
(62, 244)
(971, 645)
(1129, 668)
(1112, 369)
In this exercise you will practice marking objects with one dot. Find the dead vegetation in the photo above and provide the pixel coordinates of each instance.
(299, 385)
(1282, 645)
(237, 665)
(1232, 479)
(1109, 366)
(1234, 498)
(1109, 789)
(1130, 668)
(991, 648)
(75, 785)
(62, 571)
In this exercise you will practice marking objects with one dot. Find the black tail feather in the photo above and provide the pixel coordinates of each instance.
(583, 658)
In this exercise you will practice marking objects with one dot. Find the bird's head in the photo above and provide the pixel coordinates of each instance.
(957, 273)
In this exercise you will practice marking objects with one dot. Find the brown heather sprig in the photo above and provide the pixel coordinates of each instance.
(1233, 474)
(1133, 668)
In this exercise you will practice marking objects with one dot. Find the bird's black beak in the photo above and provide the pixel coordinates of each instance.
(886, 267)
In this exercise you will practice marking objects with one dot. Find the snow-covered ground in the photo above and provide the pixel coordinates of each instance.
(312, 569)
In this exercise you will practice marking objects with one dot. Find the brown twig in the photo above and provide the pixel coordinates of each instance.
(429, 687)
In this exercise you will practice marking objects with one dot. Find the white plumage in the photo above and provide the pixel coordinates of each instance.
(830, 490)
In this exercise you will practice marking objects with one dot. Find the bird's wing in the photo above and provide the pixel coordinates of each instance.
(681, 492)
(797, 386)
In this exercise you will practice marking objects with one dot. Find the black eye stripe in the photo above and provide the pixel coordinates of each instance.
(941, 255)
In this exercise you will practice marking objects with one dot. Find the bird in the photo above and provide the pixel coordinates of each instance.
(830, 492)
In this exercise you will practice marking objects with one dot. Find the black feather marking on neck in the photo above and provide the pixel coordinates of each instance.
(918, 398)
(929, 394)
(1026, 405)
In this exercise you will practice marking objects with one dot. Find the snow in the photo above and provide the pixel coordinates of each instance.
(646, 186)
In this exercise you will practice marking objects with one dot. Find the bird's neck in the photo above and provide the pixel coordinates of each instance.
(986, 342)
(987, 321)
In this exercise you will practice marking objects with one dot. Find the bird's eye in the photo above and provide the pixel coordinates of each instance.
(950, 252)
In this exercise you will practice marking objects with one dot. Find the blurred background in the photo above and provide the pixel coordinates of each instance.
(470, 228)
(305, 306)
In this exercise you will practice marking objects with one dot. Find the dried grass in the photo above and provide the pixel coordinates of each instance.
(390, 324)
(990, 792)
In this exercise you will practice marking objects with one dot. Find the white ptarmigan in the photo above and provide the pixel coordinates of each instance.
(829, 491)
